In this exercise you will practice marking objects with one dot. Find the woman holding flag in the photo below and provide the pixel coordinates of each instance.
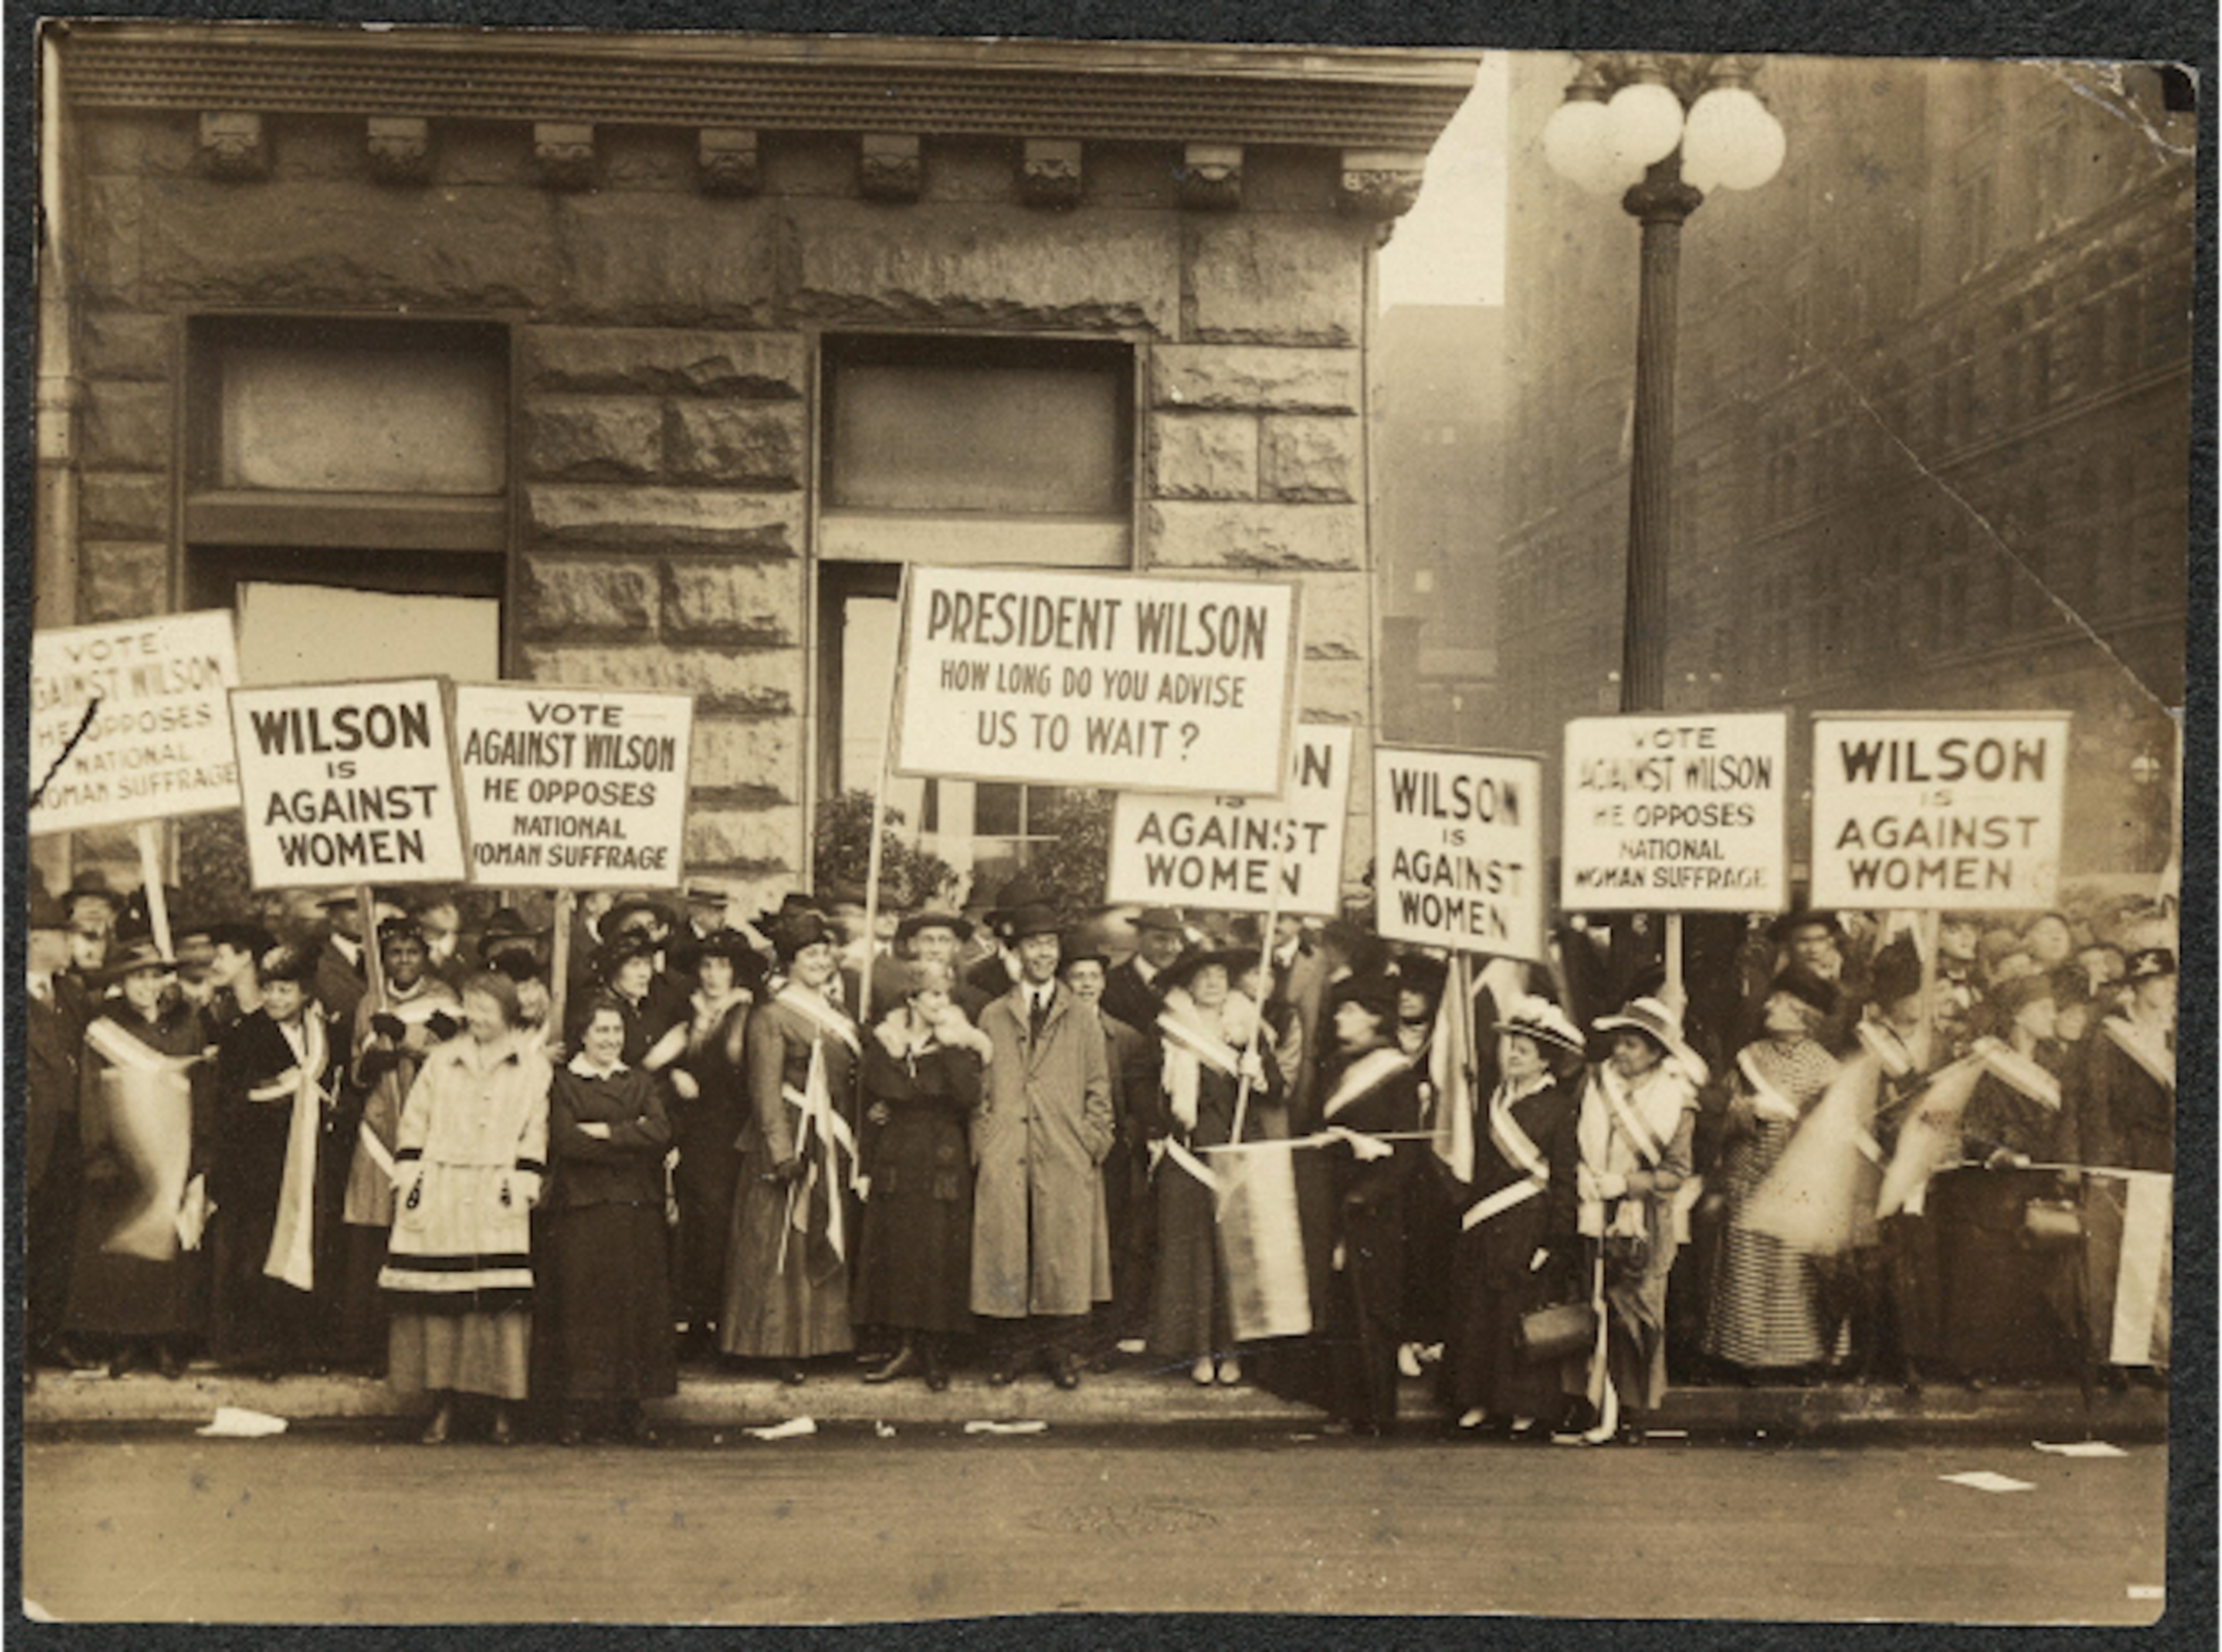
(795, 1219)
(1638, 1114)
(1765, 1312)
(276, 1076)
(144, 1125)
(1517, 1248)
(1214, 1073)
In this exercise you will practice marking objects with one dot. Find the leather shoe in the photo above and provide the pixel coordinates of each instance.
(169, 1362)
(999, 1378)
(500, 1434)
(1066, 1372)
(435, 1431)
(794, 1376)
(127, 1361)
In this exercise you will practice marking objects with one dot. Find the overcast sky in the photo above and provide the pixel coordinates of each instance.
(1450, 248)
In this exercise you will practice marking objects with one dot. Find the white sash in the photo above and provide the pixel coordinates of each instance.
(1364, 1076)
(2133, 1044)
(830, 1137)
(1188, 1050)
(291, 1256)
(2019, 1071)
(119, 1049)
(1765, 1096)
(1886, 1047)
(821, 1014)
(1633, 1125)
(1519, 1149)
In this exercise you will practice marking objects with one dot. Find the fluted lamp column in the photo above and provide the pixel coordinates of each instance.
(1662, 131)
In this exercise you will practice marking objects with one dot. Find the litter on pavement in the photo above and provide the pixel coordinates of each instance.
(237, 1423)
(1035, 1426)
(2080, 1449)
(794, 1429)
(1982, 1479)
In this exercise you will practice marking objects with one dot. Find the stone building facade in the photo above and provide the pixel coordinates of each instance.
(667, 347)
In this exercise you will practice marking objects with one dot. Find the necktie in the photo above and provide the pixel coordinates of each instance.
(1037, 1014)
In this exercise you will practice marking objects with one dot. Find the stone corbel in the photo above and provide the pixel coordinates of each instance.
(400, 149)
(726, 160)
(564, 153)
(1381, 182)
(232, 145)
(1211, 176)
(890, 167)
(1049, 172)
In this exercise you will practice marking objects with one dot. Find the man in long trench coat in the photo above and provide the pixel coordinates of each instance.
(1041, 1252)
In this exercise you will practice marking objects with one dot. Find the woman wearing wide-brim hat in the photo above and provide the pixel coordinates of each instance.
(1208, 1033)
(146, 1122)
(708, 1105)
(795, 1213)
(1518, 1247)
(1639, 1109)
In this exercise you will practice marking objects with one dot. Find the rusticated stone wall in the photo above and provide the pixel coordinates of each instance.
(663, 342)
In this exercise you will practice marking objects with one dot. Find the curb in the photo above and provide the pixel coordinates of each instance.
(1121, 1399)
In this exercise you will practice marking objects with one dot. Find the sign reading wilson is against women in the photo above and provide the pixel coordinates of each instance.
(1177, 848)
(1957, 809)
(1120, 681)
(128, 721)
(573, 788)
(1458, 849)
(1667, 812)
(349, 783)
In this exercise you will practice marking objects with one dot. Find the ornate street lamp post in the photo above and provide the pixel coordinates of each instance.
(1664, 130)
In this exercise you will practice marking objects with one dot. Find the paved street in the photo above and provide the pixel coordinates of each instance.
(344, 1524)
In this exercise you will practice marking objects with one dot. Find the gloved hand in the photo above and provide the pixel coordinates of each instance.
(389, 1027)
(442, 1024)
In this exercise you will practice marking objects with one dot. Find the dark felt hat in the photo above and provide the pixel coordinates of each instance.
(294, 964)
(1818, 995)
(636, 907)
(136, 954)
(1896, 971)
(909, 928)
(1161, 918)
(748, 967)
(1791, 922)
(1184, 969)
(799, 930)
(1375, 992)
(1031, 919)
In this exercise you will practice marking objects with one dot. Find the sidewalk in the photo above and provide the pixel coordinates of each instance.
(1126, 1398)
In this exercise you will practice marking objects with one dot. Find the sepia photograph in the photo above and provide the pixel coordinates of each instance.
(868, 828)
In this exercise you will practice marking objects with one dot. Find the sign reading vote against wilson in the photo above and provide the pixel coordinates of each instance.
(1675, 814)
(573, 788)
(1133, 684)
(348, 782)
(139, 709)
(1458, 849)
(1173, 848)
(1959, 809)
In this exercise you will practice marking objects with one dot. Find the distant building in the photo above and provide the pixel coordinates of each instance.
(1438, 473)
(1933, 419)
(647, 360)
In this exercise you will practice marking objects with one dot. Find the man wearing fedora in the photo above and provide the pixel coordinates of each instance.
(342, 975)
(1133, 993)
(55, 1011)
(1041, 1252)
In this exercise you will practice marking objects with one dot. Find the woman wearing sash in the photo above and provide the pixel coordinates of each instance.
(1517, 1248)
(2006, 1307)
(394, 1029)
(1765, 1312)
(1208, 1033)
(470, 1159)
(1370, 1088)
(145, 1123)
(707, 1106)
(1638, 1113)
(2128, 1124)
(922, 1074)
(794, 1218)
(276, 1073)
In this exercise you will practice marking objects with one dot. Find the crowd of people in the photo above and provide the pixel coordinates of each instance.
(499, 1171)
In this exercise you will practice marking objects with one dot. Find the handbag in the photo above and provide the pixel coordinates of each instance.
(2049, 1222)
(1547, 1333)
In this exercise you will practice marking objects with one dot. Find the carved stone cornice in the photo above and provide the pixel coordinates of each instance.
(564, 153)
(1381, 182)
(233, 147)
(726, 160)
(1050, 172)
(890, 167)
(400, 149)
(1211, 177)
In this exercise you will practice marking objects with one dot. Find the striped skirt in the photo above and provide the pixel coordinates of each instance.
(1765, 1312)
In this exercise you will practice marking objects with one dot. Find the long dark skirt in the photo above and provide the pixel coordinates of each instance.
(915, 1271)
(789, 1307)
(253, 1318)
(610, 1300)
(1190, 1317)
(115, 1295)
(704, 1184)
(1483, 1364)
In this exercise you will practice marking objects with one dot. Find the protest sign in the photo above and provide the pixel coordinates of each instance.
(349, 783)
(1108, 680)
(1458, 849)
(1959, 809)
(138, 707)
(573, 788)
(1173, 848)
(1675, 814)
